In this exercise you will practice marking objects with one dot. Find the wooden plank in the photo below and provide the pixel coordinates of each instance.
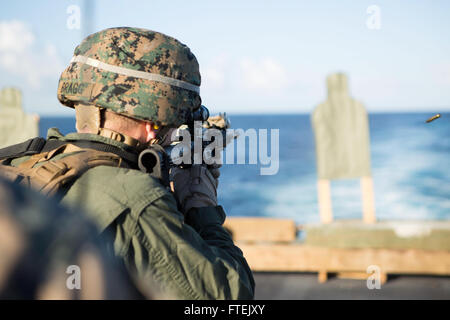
(261, 229)
(352, 275)
(355, 234)
(325, 205)
(297, 257)
(360, 276)
(322, 276)
(383, 278)
(368, 200)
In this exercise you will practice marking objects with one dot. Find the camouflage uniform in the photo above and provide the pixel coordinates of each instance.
(39, 240)
(148, 76)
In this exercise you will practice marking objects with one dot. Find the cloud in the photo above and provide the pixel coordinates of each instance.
(215, 73)
(19, 55)
(231, 82)
(265, 74)
(246, 73)
(15, 36)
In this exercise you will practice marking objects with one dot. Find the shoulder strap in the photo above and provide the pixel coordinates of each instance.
(39, 145)
(54, 175)
(31, 146)
(130, 157)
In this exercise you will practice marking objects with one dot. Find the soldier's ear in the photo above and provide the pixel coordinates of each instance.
(150, 134)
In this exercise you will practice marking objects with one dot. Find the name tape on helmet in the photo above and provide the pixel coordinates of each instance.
(136, 74)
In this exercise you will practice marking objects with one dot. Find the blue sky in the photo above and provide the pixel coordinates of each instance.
(255, 56)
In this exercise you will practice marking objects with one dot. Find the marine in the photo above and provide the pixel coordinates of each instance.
(130, 89)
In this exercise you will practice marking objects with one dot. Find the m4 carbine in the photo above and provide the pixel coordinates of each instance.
(157, 160)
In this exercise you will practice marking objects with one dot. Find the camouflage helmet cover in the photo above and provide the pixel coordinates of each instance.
(139, 73)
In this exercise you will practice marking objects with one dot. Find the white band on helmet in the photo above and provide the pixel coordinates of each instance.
(136, 74)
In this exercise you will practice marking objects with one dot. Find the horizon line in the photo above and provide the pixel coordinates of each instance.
(64, 115)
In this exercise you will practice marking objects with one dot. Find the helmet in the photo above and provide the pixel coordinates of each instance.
(139, 73)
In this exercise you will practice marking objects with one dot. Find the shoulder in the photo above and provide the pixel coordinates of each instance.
(119, 178)
(105, 192)
(127, 185)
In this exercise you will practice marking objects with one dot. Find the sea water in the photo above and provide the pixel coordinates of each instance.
(410, 162)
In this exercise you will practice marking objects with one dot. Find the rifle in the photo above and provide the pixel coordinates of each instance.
(157, 160)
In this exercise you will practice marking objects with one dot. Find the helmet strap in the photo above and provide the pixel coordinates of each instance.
(114, 135)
